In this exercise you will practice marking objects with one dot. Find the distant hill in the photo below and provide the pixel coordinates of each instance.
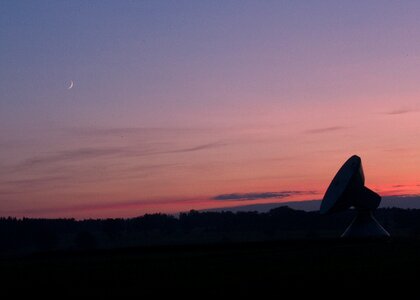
(406, 202)
(310, 205)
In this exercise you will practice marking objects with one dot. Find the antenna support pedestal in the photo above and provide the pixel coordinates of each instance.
(364, 225)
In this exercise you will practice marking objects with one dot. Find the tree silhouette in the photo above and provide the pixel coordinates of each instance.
(28, 235)
(85, 240)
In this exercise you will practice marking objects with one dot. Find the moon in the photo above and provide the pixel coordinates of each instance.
(71, 85)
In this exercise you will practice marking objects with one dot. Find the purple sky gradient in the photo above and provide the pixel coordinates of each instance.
(176, 102)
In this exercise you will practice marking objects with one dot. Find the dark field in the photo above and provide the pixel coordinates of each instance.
(239, 268)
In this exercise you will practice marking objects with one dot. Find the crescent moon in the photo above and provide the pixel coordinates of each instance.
(71, 85)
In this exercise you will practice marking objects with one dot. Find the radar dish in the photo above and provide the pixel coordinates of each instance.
(346, 190)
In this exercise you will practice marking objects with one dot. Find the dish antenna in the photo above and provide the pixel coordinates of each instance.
(346, 190)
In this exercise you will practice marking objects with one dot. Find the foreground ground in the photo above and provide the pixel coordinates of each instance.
(216, 269)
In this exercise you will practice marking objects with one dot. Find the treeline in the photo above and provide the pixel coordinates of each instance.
(20, 236)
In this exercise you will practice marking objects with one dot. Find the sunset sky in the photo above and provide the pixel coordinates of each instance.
(180, 105)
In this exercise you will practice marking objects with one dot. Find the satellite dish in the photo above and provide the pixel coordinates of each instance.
(346, 190)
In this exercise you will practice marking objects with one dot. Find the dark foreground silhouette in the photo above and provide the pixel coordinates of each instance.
(25, 236)
(202, 253)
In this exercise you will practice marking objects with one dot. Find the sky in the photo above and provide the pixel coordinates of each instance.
(180, 105)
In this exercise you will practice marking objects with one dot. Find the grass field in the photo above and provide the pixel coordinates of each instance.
(217, 269)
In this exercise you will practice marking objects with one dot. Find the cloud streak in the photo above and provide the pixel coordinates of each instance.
(71, 155)
(400, 111)
(23, 183)
(200, 147)
(92, 132)
(258, 196)
(109, 152)
(325, 130)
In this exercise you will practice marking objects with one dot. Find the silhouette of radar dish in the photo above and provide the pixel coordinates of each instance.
(346, 190)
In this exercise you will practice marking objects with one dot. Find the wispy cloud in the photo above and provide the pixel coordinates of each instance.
(258, 196)
(200, 147)
(30, 182)
(132, 131)
(21, 186)
(97, 131)
(108, 152)
(72, 177)
(71, 155)
(400, 111)
(325, 129)
(146, 153)
(405, 185)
